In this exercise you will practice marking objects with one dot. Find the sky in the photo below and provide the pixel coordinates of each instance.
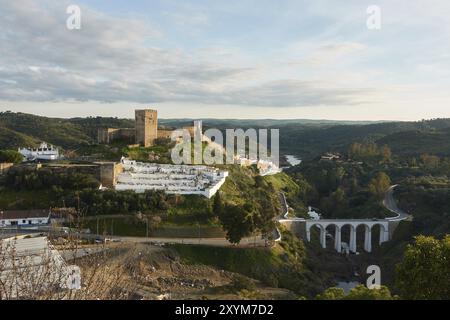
(253, 59)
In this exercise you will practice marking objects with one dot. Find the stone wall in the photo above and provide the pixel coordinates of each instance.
(4, 166)
(108, 173)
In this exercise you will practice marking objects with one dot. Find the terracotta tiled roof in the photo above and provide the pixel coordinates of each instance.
(23, 214)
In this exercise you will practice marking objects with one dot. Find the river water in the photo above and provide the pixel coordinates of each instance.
(347, 285)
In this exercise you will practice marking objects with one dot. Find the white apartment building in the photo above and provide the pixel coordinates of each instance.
(175, 179)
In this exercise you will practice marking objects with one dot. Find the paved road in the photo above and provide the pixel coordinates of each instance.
(220, 242)
(390, 204)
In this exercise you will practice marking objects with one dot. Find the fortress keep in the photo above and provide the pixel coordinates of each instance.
(144, 133)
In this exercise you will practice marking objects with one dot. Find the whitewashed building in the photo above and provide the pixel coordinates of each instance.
(175, 179)
(265, 167)
(43, 152)
(22, 218)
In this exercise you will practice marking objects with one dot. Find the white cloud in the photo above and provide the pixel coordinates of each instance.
(111, 59)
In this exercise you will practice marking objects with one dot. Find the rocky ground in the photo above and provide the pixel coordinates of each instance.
(159, 273)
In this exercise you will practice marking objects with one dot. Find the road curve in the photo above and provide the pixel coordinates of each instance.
(390, 204)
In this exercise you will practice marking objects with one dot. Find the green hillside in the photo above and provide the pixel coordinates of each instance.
(305, 139)
(21, 129)
(414, 143)
(10, 139)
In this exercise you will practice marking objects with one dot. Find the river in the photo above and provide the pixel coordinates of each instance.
(347, 285)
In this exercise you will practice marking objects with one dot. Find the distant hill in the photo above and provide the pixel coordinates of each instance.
(414, 143)
(10, 139)
(21, 129)
(303, 138)
(307, 142)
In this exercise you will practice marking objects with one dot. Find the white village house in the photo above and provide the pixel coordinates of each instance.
(44, 152)
(24, 217)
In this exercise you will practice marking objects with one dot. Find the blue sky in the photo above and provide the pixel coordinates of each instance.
(227, 59)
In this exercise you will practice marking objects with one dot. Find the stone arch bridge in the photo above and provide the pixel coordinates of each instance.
(304, 227)
(353, 224)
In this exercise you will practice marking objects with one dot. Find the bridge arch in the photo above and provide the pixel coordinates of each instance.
(354, 225)
(322, 233)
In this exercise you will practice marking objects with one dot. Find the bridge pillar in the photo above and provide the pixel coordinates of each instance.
(384, 234)
(352, 244)
(323, 237)
(368, 239)
(337, 239)
(308, 234)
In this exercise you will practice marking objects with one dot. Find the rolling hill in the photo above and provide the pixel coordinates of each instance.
(304, 138)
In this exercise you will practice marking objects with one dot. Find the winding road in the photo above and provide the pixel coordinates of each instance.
(390, 204)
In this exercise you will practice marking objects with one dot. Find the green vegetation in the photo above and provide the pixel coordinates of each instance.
(251, 202)
(369, 152)
(67, 133)
(379, 184)
(415, 155)
(30, 179)
(159, 153)
(424, 272)
(360, 292)
(342, 189)
(36, 199)
(10, 156)
(10, 139)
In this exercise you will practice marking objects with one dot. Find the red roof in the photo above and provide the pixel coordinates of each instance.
(24, 214)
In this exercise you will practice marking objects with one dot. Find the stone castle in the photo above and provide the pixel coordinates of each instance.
(145, 132)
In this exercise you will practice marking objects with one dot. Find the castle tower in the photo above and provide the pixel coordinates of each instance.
(146, 127)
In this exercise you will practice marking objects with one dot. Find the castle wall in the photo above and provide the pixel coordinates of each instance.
(108, 135)
(109, 172)
(4, 166)
(163, 133)
(145, 133)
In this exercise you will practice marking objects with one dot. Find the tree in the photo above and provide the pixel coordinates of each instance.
(332, 293)
(430, 162)
(237, 222)
(386, 153)
(379, 184)
(10, 156)
(217, 204)
(360, 292)
(424, 272)
(263, 219)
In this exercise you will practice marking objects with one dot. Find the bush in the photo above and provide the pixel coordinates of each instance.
(10, 156)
